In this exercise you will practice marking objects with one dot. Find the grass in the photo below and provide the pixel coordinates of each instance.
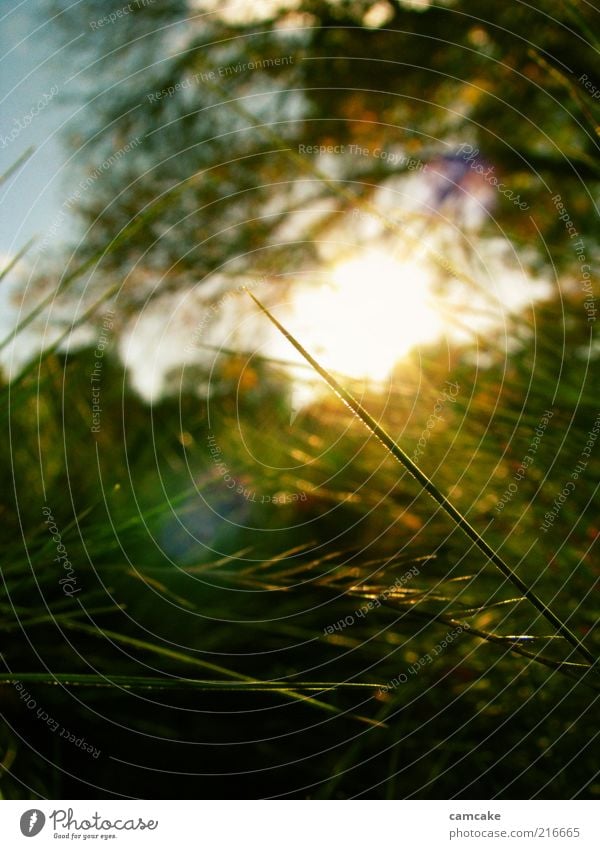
(202, 655)
(149, 614)
(430, 487)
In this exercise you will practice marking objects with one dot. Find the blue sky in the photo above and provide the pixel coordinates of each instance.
(33, 61)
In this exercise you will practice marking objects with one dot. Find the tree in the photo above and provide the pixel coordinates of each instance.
(228, 147)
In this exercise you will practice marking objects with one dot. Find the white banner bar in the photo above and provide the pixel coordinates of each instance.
(301, 824)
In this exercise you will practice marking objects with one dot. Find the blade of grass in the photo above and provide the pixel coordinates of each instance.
(574, 671)
(17, 164)
(15, 259)
(429, 487)
(195, 661)
(155, 682)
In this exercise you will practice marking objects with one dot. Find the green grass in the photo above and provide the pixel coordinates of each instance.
(206, 643)
(156, 602)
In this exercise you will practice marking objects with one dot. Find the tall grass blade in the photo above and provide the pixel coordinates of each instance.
(15, 259)
(433, 491)
(16, 165)
(130, 682)
(181, 657)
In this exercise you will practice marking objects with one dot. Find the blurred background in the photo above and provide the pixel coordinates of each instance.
(216, 581)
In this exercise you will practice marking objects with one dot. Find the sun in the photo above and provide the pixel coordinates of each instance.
(371, 311)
